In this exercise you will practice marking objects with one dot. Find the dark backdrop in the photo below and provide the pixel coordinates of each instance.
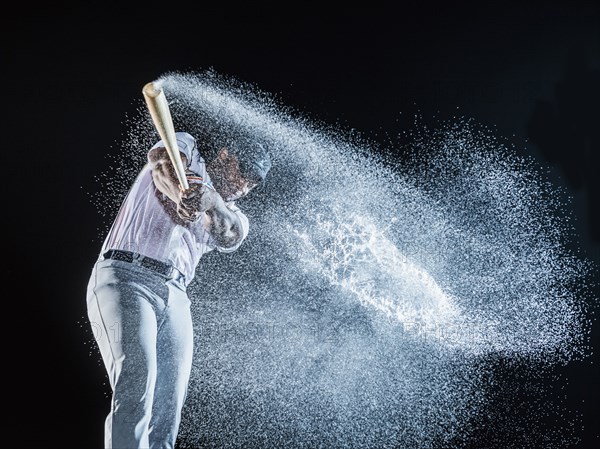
(71, 76)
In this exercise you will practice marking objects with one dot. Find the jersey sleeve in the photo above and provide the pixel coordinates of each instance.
(245, 228)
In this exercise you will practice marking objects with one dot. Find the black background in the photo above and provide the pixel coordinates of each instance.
(71, 77)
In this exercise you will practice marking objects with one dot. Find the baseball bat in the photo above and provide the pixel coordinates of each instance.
(163, 122)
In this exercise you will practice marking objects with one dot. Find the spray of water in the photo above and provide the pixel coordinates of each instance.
(374, 296)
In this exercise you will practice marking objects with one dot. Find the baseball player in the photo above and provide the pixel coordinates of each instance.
(136, 297)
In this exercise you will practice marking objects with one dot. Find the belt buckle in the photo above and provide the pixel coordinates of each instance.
(137, 258)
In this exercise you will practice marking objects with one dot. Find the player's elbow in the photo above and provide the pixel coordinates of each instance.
(160, 155)
(230, 233)
(157, 155)
(230, 237)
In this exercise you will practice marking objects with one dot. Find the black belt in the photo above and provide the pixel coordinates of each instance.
(163, 268)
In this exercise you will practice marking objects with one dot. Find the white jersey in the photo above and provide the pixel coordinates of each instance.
(147, 223)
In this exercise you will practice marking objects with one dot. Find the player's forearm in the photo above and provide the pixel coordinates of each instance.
(164, 185)
(163, 173)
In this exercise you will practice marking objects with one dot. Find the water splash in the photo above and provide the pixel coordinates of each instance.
(374, 296)
(361, 260)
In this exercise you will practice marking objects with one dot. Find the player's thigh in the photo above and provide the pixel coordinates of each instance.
(125, 325)
(175, 335)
